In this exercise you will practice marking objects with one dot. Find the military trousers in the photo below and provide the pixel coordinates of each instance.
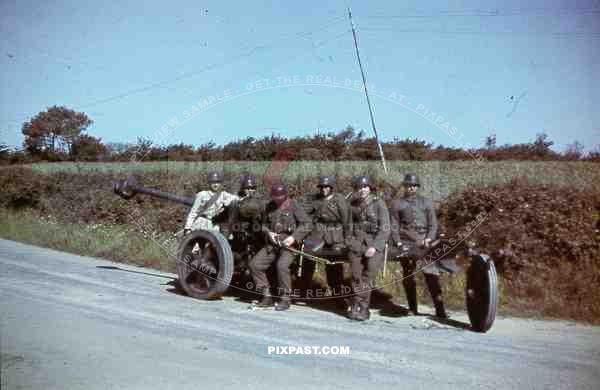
(261, 262)
(364, 272)
(334, 272)
(409, 270)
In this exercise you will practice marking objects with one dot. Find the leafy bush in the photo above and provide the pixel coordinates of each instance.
(542, 238)
(23, 188)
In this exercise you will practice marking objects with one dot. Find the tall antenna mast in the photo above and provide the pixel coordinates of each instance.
(366, 92)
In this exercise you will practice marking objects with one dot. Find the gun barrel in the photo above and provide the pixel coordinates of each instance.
(129, 187)
(165, 195)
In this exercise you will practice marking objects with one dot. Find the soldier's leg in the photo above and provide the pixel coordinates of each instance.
(335, 276)
(371, 268)
(356, 266)
(308, 271)
(432, 280)
(410, 284)
(284, 278)
(375, 265)
(335, 281)
(258, 267)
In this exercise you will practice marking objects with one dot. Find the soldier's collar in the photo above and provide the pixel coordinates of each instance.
(287, 204)
(369, 199)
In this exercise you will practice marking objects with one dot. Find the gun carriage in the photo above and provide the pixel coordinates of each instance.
(207, 261)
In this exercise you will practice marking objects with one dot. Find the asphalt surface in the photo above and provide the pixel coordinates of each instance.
(71, 322)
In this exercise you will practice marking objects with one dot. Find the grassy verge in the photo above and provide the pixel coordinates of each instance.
(120, 243)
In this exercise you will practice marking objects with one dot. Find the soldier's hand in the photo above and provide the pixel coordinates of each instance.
(370, 252)
(186, 231)
(289, 241)
(273, 236)
(427, 242)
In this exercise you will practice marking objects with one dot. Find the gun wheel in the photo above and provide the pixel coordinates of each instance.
(481, 293)
(205, 264)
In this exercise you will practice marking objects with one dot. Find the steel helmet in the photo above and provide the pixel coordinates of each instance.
(326, 181)
(411, 180)
(214, 177)
(248, 181)
(361, 181)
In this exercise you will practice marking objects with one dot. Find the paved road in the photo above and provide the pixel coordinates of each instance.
(69, 323)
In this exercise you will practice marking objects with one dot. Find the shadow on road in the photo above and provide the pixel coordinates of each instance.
(381, 301)
(112, 267)
(451, 322)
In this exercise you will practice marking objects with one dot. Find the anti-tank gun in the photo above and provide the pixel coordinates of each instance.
(205, 262)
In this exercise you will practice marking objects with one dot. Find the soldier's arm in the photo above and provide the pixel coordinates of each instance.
(229, 198)
(383, 224)
(304, 224)
(193, 214)
(349, 237)
(395, 222)
(346, 216)
(234, 213)
(432, 224)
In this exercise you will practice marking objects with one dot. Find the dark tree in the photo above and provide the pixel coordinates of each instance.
(88, 148)
(53, 132)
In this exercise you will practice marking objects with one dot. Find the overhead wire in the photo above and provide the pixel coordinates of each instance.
(255, 49)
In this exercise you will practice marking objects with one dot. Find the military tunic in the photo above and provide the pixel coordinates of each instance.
(289, 219)
(331, 219)
(202, 219)
(331, 223)
(414, 214)
(245, 225)
(370, 228)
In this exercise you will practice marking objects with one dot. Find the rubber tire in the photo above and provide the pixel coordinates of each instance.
(220, 283)
(483, 280)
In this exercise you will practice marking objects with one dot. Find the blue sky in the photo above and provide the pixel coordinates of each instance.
(133, 67)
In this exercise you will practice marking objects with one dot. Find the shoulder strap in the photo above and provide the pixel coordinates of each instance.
(210, 202)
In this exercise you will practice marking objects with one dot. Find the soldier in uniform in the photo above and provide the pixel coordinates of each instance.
(285, 223)
(245, 221)
(330, 214)
(370, 231)
(209, 204)
(414, 227)
(247, 211)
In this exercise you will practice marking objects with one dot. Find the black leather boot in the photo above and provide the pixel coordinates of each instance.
(363, 312)
(433, 285)
(411, 297)
(267, 299)
(283, 304)
(354, 308)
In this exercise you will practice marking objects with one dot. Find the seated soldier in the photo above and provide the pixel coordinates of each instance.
(370, 232)
(284, 223)
(209, 204)
(330, 214)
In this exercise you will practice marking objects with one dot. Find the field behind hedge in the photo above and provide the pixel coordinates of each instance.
(439, 178)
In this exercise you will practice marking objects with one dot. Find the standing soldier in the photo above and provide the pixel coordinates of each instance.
(370, 231)
(285, 223)
(331, 223)
(209, 204)
(414, 226)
